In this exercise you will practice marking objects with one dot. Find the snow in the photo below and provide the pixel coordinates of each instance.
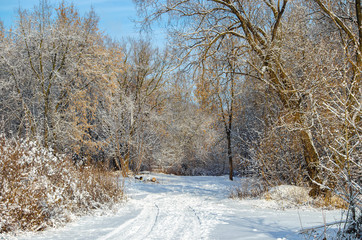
(190, 208)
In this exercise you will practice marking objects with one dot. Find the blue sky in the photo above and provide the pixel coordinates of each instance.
(116, 16)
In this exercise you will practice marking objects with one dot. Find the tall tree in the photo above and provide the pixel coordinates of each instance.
(217, 90)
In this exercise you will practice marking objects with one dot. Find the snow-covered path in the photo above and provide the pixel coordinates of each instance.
(189, 208)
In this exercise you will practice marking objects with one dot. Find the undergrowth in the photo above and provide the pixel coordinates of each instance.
(288, 195)
(40, 189)
(250, 188)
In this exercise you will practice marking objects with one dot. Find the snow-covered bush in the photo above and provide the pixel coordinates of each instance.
(289, 195)
(295, 196)
(39, 188)
(248, 188)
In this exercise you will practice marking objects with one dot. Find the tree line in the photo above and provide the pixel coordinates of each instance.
(67, 85)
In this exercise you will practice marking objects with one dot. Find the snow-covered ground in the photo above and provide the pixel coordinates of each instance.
(190, 208)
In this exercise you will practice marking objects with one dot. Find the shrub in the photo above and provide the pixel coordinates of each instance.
(249, 188)
(39, 188)
(289, 195)
(286, 196)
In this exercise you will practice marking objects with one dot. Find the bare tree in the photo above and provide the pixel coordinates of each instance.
(217, 91)
(338, 108)
(137, 95)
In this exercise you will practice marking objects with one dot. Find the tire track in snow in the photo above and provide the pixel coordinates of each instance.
(162, 217)
(154, 224)
(194, 211)
(137, 227)
(176, 220)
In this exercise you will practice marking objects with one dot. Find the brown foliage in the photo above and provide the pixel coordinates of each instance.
(39, 188)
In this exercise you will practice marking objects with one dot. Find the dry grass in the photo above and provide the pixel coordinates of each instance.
(330, 202)
(289, 196)
(249, 189)
(286, 195)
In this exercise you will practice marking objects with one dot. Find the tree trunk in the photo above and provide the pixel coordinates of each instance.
(312, 160)
(45, 123)
(231, 169)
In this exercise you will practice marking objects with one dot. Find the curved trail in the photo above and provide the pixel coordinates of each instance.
(168, 211)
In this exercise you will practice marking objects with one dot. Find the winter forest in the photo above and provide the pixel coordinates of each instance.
(268, 90)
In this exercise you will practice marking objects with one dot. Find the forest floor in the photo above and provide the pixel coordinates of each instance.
(191, 208)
